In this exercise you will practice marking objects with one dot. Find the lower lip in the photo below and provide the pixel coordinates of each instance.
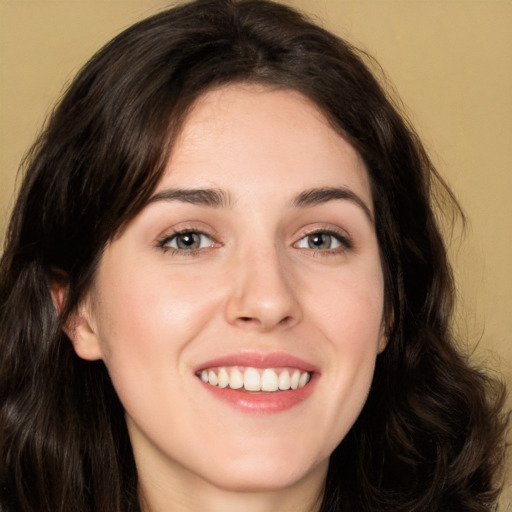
(261, 402)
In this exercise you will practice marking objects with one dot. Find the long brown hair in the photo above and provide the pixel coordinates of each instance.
(430, 436)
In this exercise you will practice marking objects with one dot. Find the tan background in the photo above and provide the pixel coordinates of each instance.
(451, 62)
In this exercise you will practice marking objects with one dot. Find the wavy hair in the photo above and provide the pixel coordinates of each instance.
(431, 435)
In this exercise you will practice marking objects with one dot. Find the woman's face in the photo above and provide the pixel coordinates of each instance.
(241, 312)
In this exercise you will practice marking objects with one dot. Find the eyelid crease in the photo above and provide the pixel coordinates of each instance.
(329, 229)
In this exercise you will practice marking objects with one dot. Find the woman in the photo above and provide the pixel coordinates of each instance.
(224, 288)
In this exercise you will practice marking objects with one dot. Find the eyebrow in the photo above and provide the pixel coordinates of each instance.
(317, 196)
(211, 197)
(218, 198)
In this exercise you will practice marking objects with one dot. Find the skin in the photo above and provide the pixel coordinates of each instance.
(254, 285)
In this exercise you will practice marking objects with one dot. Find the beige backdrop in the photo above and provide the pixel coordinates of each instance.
(451, 62)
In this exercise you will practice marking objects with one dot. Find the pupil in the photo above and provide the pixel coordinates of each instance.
(188, 240)
(319, 241)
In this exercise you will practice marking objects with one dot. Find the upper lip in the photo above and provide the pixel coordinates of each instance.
(259, 360)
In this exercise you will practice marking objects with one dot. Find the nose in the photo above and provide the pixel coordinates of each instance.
(262, 294)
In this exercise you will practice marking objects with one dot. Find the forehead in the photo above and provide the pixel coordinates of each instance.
(247, 135)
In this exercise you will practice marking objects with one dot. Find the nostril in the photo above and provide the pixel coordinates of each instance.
(286, 320)
(248, 319)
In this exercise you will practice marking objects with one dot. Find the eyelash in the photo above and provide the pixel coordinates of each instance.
(166, 239)
(344, 241)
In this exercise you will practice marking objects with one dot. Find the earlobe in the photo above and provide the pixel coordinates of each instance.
(383, 342)
(80, 329)
(385, 332)
(79, 326)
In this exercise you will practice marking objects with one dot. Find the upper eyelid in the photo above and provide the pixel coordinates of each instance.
(323, 229)
(333, 230)
(342, 235)
(188, 228)
(166, 237)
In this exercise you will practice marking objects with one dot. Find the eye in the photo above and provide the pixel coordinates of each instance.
(322, 241)
(186, 241)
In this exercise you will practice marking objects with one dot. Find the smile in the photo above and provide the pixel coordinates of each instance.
(255, 379)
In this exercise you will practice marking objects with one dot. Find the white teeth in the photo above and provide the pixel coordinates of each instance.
(304, 379)
(236, 379)
(294, 383)
(269, 381)
(223, 378)
(284, 380)
(212, 378)
(253, 379)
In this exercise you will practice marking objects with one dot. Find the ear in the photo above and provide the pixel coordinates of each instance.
(383, 340)
(79, 326)
(386, 329)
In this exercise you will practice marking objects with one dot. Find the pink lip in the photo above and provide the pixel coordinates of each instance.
(256, 360)
(261, 402)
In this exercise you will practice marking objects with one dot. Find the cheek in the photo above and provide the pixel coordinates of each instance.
(145, 320)
(350, 308)
(149, 312)
(349, 315)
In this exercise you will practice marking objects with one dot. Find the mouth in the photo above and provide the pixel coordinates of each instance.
(252, 379)
(259, 383)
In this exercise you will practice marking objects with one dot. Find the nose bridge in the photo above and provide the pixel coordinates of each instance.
(262, 292)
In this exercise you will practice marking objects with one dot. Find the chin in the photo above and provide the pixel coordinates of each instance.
(265, 476)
